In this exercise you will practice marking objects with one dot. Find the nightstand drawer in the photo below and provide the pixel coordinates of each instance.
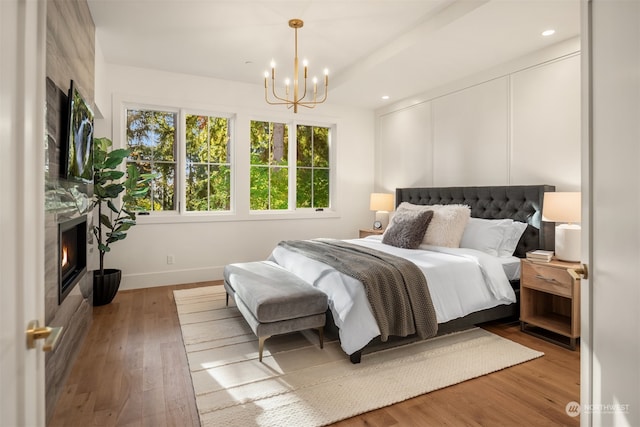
(553, 280)
(370, 232)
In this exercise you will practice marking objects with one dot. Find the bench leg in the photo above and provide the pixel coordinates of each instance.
(261, 341)
(321, 336)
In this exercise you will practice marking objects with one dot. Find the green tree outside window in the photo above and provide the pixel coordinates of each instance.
(269, 166)
(151, 137)
(208, 163)
(270, 170)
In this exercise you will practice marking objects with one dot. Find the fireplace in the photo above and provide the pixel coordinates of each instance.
(72, 254)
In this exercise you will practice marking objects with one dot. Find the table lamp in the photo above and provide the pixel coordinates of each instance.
(564, 208)
(382, 203)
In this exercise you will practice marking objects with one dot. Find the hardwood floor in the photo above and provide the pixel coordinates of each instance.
(132, 371)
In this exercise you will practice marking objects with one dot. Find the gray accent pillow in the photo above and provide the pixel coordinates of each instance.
(407, 228)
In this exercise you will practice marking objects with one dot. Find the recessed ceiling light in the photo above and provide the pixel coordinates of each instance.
(548, 33)
(385, 97)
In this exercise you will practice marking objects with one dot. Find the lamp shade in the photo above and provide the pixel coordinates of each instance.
(381, 202)
(561, 207)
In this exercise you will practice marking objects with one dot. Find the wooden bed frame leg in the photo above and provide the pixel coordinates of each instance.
(356, 357)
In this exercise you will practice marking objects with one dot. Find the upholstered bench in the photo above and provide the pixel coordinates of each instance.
(274, 301)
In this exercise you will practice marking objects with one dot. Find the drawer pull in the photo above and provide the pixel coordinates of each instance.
(546, 279)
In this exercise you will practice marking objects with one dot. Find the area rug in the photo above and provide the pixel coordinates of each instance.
(299, 384)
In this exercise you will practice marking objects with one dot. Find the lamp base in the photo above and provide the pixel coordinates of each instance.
(383, 217)
(568, 242)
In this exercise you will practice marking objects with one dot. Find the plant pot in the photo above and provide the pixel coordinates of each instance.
(105, 287)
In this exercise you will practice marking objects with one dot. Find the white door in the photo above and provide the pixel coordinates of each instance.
(610, 350)
(22, 100)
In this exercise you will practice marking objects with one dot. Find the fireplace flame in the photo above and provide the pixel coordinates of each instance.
(65, 259)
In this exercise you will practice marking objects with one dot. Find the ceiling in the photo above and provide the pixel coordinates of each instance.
(371, 47)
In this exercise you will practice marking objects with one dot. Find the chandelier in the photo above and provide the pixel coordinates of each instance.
(296, 99)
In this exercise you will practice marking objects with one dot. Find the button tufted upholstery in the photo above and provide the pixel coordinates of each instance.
(518, 202)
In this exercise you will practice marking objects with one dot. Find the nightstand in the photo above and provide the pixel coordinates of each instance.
(550, 301)
(369, 232)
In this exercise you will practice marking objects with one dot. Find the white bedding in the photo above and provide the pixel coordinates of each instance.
(511, 266)
(461, 281)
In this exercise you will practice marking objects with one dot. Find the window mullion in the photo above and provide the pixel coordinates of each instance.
(181, 162)
(313, 193)
(208, 164)
(293, 166)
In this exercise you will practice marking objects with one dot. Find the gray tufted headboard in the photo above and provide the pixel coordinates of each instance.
(518, 202)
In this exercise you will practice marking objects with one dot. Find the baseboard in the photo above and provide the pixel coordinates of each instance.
(172, 277)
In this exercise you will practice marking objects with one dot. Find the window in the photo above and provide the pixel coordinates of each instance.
(271, 173)
(269, 166)
(208, 164)
(151, 137)
(191, 154)
(312, 172)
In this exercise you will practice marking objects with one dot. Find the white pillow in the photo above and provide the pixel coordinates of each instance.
(486, 235)
(446, 226)
(511, 238)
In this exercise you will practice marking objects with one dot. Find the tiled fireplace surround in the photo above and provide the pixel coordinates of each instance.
(64, 201)
(70, 53)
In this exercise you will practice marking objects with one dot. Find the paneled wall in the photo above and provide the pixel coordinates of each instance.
(545, 114)
(471, 135)
(517, 125)
(407, 141)
(70, 56)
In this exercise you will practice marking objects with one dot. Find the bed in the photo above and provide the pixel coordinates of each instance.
(468, 286)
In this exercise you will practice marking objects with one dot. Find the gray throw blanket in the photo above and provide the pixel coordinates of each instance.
(396, 288)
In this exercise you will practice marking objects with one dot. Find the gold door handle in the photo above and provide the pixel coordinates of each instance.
(50, 335)
(579, 273)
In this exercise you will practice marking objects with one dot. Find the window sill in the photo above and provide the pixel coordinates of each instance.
(192, 217)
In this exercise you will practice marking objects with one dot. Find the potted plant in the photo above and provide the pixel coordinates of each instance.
(114, 220)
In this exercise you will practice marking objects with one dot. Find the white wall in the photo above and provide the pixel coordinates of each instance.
(407, 141)
(518, 123)
(202, 245)
(470, 135)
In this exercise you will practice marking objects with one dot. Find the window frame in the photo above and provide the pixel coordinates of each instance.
(240, 161)
(178, 125)
(314, 168)
(183, 164)
(293, 166)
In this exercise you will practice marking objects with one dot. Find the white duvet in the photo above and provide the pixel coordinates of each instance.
(461, 281)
